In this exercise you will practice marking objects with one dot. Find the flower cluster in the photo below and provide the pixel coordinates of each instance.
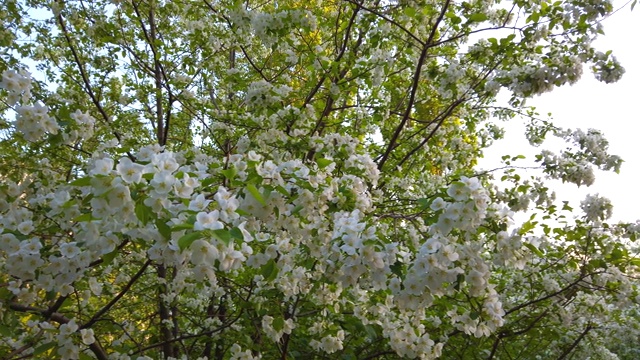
(18, 86)
(576, 166)
(607, 68)
(466, 211)
(596, 208)
(85, 124)
(262, 93)
(537, 79)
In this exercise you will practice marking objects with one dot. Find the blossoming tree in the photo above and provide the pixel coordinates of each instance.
(287, 179)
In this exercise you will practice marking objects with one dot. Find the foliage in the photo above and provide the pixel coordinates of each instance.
(288, 179)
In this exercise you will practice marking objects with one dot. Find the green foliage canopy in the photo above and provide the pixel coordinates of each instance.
(286, 179)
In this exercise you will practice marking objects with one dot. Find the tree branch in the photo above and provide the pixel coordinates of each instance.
(87, 83)
(96, 348)
(414, 87)
(567, 351)
(113, 301)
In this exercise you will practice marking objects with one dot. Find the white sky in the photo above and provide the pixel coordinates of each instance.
(612, 108)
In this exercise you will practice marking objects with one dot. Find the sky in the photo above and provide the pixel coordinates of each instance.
(612, 108)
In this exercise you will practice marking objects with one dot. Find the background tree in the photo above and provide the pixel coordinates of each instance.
(228, 179)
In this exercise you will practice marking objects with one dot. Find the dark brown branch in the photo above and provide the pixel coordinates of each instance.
(389, 20)
(157, 73)
(113, 301)
(439, 123)
(494, 347)
(286, 338)
(186, 337)
(414, 87)
(28, 345)
(506, 334)
(556, 293)
(378, 354)
(343, 49)
(85, 80)
(568, 350)
(167, 335)
(253, 65)
(96, 348)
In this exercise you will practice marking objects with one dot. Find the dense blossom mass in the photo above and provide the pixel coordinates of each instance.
(262, 180)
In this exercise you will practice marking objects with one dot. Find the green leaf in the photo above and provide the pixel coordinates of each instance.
(84, 356)
(455, 19)
(44, 348)
(533, 249)
(84, 181)
(56, 139)
(208, 181)
(243, 212)
(5, 331)
(230, 174)
(459, 281)
(397, 268)
(424, 203)
(186, 240)
(108, 258)
(296, 209)
(143, 212)
(323, 163)
(410, 12)
(478, 17)
(179, 227)
(164, 229)
(222, 235)
(269, 270)
(84, 218)
(282, 190)
(256, 194)
(617, 254)
(371, 331)
(278, 323)
(527, 226)
(68, 302)
(236, 234)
